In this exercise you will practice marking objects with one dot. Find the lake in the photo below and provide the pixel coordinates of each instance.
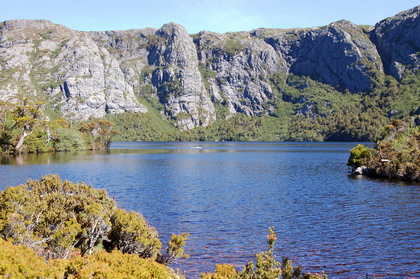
(226, 195)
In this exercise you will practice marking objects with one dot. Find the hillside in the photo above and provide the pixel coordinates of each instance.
(336, 82)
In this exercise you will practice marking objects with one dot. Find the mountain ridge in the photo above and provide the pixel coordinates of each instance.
(200, 78)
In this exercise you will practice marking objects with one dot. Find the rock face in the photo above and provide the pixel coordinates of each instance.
(398, 42)
(64, 68)
(239, 65)
(337, 54)
(178, 78)
(84, 74)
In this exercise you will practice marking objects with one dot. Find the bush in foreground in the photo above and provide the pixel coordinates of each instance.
(19, 261)
(56, 229)
(61, 220)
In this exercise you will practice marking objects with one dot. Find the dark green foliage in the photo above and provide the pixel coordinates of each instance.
(66, 139)
(236, 128)
(173, 87)
(46, 35)
(5, 141)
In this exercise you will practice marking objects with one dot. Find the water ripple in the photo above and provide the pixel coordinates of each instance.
(227, 195)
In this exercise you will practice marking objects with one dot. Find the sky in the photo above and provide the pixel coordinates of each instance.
(197, 15)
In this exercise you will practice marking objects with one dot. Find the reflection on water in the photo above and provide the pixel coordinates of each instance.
(42, 158)
(227, 195)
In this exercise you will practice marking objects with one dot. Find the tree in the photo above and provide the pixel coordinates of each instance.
(396, 153)
(106, 132)
(27, 116)
(102, 129)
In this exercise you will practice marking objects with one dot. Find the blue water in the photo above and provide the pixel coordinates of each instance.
(226, 195)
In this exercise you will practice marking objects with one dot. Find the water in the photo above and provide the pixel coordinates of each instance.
(228, 194)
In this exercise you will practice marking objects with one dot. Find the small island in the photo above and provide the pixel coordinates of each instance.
(396, 153)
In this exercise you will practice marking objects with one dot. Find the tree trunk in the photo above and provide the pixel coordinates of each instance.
(20, 142)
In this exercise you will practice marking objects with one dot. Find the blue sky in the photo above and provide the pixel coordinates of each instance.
(197, 15)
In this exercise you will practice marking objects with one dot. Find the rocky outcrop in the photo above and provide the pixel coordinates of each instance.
(240, 65)
(94, 84)
(64, 68)
(84, 74)
(340, 54)
(178, 79)
(398, 42)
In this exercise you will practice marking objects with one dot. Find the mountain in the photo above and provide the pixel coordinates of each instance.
(194, 80)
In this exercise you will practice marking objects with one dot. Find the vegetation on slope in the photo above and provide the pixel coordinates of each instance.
(396, 153)
(303, 110)
(339, 82)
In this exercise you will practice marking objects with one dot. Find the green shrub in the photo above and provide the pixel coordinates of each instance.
(65, 139)
(117, 265)
(59, 219)
(36, 142)
(131, 234)
(357, 155)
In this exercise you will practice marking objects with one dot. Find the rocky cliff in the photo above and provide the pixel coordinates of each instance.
(398, 42)
(84, 74)
(63, 67)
